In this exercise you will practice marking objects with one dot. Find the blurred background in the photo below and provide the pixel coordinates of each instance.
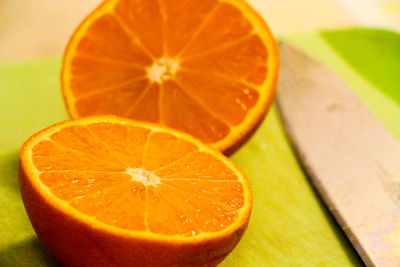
(39, 28)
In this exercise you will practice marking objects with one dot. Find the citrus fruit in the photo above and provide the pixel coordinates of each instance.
(107, 191)
(205, 67)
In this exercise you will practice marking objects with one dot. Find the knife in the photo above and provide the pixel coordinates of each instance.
(350, 157)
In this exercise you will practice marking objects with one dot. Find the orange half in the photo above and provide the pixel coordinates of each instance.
(104, 191)
(208, 68)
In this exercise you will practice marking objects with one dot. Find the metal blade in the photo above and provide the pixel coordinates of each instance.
(352, 159)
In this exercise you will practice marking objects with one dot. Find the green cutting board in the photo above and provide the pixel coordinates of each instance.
(289, 225)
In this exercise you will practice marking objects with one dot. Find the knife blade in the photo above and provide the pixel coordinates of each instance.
(349, 155)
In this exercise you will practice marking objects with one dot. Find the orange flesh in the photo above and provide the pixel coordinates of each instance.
(136, 178)
(209, 65)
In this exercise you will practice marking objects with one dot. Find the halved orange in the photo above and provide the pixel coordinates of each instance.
(205, 67)
(107, 191)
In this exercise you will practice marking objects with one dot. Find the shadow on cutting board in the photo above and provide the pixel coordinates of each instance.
(27, 253)
(9, 167)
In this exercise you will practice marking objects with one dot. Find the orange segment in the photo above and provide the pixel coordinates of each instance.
(224, 26)
(197, 166)
(211, 65)
(114, 205)
(88, 75)
(158, 143)
(143, 22)
(181, 218)
(182, 20)
(210, 91)
(181, 111)
(119, 181)
(45, 160)
(127, 143)
(96, 43)
(229, 192)
(82, 140)
(74, 185)
(164, 218)
(249, 55)
(146, 107)
(100, 102)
